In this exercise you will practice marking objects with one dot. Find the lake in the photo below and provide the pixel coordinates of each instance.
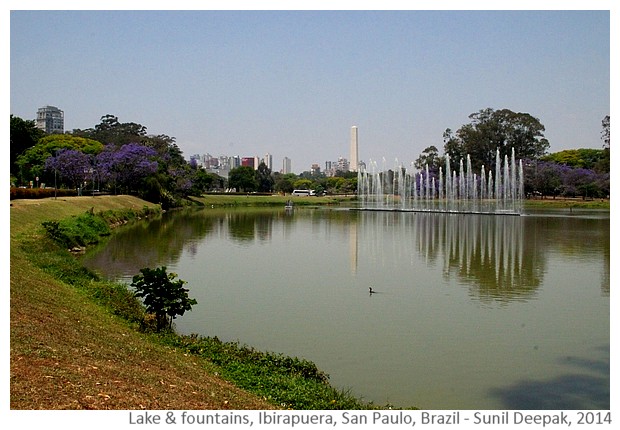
(469, 311)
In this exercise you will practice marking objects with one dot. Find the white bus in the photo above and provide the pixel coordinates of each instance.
(303, 193)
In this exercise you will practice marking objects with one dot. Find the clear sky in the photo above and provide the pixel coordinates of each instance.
(292, 83)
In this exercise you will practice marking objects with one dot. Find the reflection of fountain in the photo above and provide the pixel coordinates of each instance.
(490, 254)
(449, 191)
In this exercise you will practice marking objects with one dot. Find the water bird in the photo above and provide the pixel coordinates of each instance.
(370, 290)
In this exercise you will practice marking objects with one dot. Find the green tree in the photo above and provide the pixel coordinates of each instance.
(585, 158)
(606, 134)
(284, 183)
(491, 130)
(162, 295)
(264, 178)
(302, 184)
(24, 135)
(32, 162)
(111, 131)
(243, 178)
(603, 165)
(430, 157)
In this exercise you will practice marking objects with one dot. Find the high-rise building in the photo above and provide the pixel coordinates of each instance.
(269, 161)
(51, 119)
(354, 161)
(286, 165)
(343, 165)
(315, 169)
(248, 162)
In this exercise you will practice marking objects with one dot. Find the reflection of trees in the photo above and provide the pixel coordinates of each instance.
(585, 385)
(150, 243)
(489, 253)
(161, 241)
(245, 226)
(578, 238)
(502, 258)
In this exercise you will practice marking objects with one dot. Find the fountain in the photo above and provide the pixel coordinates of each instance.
(499, 193)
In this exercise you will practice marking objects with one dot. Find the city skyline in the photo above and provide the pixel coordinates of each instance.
(293, 82)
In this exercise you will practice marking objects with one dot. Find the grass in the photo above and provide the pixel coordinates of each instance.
(563, 203)
(67, 351)
(277, 200)
(273, 200)
(77, 342)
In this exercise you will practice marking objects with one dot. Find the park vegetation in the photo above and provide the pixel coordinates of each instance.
(122, 158)
(107, 345)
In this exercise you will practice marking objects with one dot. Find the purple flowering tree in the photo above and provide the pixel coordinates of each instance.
(126, 167)
(554, 179)
(72, 167)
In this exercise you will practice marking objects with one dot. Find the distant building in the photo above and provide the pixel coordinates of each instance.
(343, 165)
(197, 159)
(268, 160)
(315, 169)
(51, 119)
(286, 165)
(248, 162)
(354, 157)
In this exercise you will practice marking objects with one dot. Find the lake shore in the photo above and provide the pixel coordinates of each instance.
(70, 349)
(69, 352)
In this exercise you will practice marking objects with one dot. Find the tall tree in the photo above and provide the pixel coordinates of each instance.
(243, 178)
(111, 131)
(264, 178)
(73, 167)
(492, 130)
(24, 135)
(32, 162)
(605, 134)
(126, 167)
(430, 157)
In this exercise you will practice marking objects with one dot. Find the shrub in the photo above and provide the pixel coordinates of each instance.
(78, 231)
(162, 295)
(39, 193)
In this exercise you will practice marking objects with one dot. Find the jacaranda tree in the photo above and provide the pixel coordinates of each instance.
(126, 167)
(72, 167)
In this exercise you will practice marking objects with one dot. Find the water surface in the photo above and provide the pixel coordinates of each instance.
(471, 311)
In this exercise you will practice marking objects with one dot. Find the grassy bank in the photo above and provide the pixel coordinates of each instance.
(561, 203)
(76, 340)
(276, 200)
(273, 200)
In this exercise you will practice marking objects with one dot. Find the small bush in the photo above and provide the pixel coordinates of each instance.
(39, 193)
(163, 295)
(78, 231)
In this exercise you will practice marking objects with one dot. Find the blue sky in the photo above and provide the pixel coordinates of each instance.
(292, 83)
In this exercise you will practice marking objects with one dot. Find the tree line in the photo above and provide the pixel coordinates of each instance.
(121, 157)
(568, 173)
(113, 156)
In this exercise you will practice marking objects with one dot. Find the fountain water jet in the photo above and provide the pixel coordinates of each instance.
(493, 193)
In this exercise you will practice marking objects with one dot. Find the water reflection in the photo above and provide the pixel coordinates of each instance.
(500, 258)
(489, 253)
(163, 240)
(474, 312)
